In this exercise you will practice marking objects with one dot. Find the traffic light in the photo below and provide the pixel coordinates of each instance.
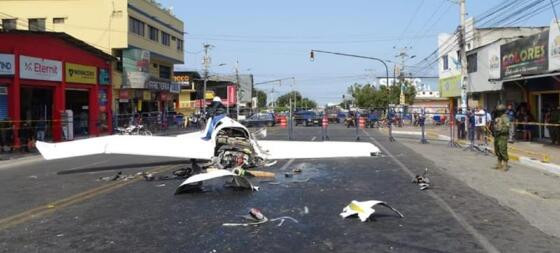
(312, 56)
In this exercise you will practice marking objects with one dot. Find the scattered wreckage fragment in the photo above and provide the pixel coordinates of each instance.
(257, 218)
(364, 209)
(422, 181)
(196, 180)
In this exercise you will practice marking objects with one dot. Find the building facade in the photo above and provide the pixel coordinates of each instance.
(484, 84)
(62, 88)
(146, 39)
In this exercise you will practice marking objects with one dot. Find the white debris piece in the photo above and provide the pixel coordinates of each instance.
(239, 181)
(364, 209)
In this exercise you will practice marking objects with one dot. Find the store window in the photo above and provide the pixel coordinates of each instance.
(58, 20)
(9, 24)
(180, 45)
(165, 38)
(471, 63)
(154, 33)
(164, 72)
(136, 26)
(37, 24)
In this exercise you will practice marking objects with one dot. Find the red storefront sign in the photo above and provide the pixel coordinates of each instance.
(123, 94)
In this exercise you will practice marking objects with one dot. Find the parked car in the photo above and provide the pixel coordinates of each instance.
(307, 118)
(259, 120)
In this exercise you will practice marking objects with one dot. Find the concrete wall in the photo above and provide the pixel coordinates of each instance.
(144, 11)
(101, 23)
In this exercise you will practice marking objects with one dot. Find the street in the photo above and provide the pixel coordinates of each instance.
(62, 206)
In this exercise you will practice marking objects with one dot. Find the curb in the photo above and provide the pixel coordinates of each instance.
(527, 161)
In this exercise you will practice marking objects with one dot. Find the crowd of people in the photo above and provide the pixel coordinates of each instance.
(524, 126)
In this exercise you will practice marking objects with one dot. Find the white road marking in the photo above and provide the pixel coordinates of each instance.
(482, 240)
(289, 162)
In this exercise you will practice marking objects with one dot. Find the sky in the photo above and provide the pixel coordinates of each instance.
(272, 39)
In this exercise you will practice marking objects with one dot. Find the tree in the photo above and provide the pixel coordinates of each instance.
(368, 96)
(261, 98)
(300, 101)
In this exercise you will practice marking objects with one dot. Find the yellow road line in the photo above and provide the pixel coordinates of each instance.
(74, 199)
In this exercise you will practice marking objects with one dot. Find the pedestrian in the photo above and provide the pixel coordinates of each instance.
(40, 128)
(471, 124)
(25, 136)
(4, 129)
(554, 130)
(480, 117)
(511, 116)
(501, 132)
(460, 119)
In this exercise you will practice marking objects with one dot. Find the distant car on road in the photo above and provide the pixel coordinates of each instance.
(307, 118)
(260, 120)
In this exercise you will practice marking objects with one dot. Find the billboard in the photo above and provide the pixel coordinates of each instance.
(77, 73)
(525, 56)
(136, 67)
(39, 68)
(554, 47)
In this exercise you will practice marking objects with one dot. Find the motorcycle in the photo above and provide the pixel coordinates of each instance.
(133, 130)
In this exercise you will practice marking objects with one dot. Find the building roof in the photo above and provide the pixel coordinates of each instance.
(65, 37)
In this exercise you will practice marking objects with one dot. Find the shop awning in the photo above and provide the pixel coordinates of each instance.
(518, 78)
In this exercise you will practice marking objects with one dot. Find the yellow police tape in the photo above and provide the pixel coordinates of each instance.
(543, 157)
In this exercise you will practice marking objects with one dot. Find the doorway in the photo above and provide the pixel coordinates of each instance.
(36, 113)
(78, 102)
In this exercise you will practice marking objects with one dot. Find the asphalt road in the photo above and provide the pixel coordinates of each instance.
(44, 210)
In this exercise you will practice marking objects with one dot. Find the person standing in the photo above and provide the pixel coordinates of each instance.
(511, 116)
(501, 133)
(480, 117)
(554, 130)
(471, 124)
(460, 119)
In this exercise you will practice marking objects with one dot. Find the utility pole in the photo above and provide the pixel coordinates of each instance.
(237, 89)
(206, 63)
(404, 56)
(463, 55)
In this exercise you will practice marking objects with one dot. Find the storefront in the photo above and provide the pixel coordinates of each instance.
(63, 91)
(530, 71)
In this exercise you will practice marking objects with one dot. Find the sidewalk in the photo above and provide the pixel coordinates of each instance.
(533, 194)
(540, 155)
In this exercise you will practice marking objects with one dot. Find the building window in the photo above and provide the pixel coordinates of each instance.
(136, 26)
(164, 72)
(37, 24)
(173, 38)
(58, 20)
(459, 57)
(445, 60)
(471, 63)
(165, 39)
(180, 44)
(154, 33)
(9, 24)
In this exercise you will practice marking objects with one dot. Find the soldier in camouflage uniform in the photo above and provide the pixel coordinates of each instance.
(501, 127)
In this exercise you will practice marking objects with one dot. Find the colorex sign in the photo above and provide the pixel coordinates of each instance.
(7, 64)
(40, 69)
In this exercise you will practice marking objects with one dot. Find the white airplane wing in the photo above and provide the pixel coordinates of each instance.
(184, 146)
(308, 149)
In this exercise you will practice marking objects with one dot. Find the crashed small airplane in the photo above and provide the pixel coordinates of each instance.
(225, 143)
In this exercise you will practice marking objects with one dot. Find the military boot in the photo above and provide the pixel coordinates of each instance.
(498, 165)
(505, 166)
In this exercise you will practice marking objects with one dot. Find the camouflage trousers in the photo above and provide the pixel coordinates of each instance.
(500, 147)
